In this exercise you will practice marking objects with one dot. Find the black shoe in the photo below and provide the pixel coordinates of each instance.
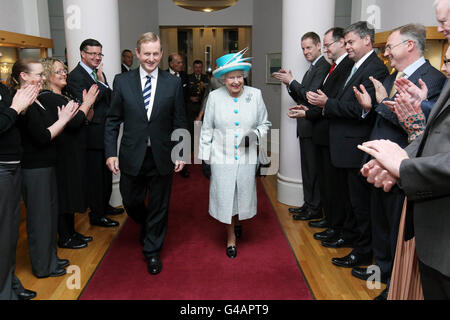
(231, 252)
(57, 273)
(62, 263)
(352, 260)
(383, 295)
(26, 295)
(308, 215)
(111, 211)
(325, 235)
(238, 231)
(104, 222)
(154, 265)
(364, 274)
(338, 243)
(72, 243)
(84, 238)
(299, 209)
(319, 224)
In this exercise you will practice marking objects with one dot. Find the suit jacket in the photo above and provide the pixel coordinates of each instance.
(312, 80)
(425, 180)
(79, 80)
(124, 69)
(184, 84)
(127, 107)
(348, 128)
(331, 87)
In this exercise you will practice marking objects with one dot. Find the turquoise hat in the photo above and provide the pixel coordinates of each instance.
(232, 62)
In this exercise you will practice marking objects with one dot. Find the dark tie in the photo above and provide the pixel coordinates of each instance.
(147, 92)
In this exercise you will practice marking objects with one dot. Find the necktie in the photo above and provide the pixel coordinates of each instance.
(394, 91)
(351, 75)
(147, 92)
(332, 68)
(94, 74)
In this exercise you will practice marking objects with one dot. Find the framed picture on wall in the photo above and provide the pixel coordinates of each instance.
(273, 64)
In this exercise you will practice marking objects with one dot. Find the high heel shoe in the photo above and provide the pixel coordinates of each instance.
(238, 230)
(231, 252)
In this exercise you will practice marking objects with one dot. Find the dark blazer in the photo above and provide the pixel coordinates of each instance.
(123, 68)
(312, 80)
(347, 127)
(127, 107)
(425, 180)
(386, 122)
(331, 88)
(184, 84)
(79, 80)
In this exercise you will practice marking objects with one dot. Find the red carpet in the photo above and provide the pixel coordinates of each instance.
(195, 265)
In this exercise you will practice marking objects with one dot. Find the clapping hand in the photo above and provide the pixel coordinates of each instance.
(404, 109)
(297, 112)
(318, 99)
(67, 112)
(363, 98)
(415, 93)
(90, 96)
(380, 90)
(100, 76)
(378, 176)
(283, 76)
(25, 97)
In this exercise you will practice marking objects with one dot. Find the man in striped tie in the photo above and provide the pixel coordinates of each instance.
(149, 103)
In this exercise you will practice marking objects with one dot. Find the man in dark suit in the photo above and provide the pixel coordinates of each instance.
(312, 80)
(127, 60)
(176, 68)
(422, 171)
(404, 48)
(149, 103)
(86, 73)
(350, 126)
(335, 202)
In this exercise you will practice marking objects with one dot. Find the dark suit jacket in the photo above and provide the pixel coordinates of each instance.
(127, 107)
(124, 69)
(347, 127)
(79, 80)
(184, 84)
(312, 80)
(386, 122)
(331, 87)
(425, 180)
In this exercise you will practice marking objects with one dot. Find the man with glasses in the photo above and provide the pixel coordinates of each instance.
(404, 48)
(86, 73)
(312, 80)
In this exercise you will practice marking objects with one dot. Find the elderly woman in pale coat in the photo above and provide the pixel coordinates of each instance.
(233, 112)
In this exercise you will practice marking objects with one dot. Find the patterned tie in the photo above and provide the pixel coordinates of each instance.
(147, 92)
(94, 75)
(394, 90)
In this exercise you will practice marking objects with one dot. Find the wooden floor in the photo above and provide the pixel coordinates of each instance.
(326, 281)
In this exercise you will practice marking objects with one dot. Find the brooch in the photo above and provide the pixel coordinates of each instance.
(249, 98)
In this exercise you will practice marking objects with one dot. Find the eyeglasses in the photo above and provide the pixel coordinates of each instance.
(40, 75)
(100, 55)
(326, 46)
(388, 48)
(61, 72)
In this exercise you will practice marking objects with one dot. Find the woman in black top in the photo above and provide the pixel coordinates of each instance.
(39, 126)
(71, 153)
(10, 188)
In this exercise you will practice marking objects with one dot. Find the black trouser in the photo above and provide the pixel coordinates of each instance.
(435, 285)
(40, 196)
(10, 189)
(146, 199)
(311, 191)
(385, 213)
(99, 185)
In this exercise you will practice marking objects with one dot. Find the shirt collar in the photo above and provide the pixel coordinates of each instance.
(339, 60)
(409, 70)
(85, 67)
(127, 67)
(144, 73)
(315, 61)
(364, 58)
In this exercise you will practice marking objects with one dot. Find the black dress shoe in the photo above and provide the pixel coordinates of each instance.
(238, 231)
(62, 263)
(352, 260)
(231, 252)
(103, 222)
(26, 295)
(319, 224)
(154, 265)
(337, 243)
(308, 215)
(84, 238)
(383, 295)
(364, 274)
(57, 273)
(325, 235)
(72, 243)
(111, 211)
(299, 209)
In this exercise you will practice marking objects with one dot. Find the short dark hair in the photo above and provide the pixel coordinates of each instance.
(171, 56)
(125, 51)
(313, 36)
(90, 43)
(337, 33)
(198, 62)
(362, 29)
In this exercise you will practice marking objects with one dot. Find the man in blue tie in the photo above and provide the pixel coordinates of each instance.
(149, 103)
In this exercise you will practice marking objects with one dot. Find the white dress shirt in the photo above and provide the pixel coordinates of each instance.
(143, 75)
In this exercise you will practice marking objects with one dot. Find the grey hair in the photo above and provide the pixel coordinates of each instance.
(362, 29)
(416, 32)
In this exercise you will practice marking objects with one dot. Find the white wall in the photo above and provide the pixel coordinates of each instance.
(25, 16)
(390, 14)
(241, 14)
